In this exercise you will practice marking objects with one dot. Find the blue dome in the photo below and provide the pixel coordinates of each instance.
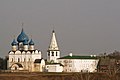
(31, 42)
(14, 43)
(25, 42)
(22, 37)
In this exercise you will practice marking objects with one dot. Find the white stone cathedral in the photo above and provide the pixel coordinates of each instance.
(24, 56)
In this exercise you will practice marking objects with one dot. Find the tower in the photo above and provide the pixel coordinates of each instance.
(53, 51)
(14, 45)
(25, 45)
(31, 45)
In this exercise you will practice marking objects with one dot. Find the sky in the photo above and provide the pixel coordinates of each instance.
(83, 27)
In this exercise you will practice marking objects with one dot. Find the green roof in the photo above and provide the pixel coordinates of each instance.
(78, 57)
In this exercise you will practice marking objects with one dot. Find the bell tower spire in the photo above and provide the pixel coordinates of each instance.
(53, 51)
(53, 44)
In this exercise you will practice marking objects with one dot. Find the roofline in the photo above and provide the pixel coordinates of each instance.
(78, 57)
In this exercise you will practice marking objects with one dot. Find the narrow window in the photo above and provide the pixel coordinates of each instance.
(18, 59)
(29, 59)
(24, 59)
(70, 65)
(52, 53)
(56, 54)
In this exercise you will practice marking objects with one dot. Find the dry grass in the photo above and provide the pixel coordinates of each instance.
(56, 76)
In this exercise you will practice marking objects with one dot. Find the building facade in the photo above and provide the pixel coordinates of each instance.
(54, 67)
(23, 54)
(74, 63)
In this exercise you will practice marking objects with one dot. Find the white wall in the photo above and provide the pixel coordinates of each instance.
(54, 68)
(26, 59)
(78, 65)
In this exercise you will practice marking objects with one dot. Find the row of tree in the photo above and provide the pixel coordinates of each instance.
(3, 63)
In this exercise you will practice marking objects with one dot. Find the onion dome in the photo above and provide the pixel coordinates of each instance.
(14, 42)
(25, 42)
(31, 42)
(22, 37)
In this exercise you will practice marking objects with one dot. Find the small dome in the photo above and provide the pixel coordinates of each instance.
(25, 42)
(14, 43)
(31, 42)
(22, 37)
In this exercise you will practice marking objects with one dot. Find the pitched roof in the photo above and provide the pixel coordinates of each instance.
(38, 61)
(78, 57)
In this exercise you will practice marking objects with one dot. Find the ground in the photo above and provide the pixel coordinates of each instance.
(57, 76)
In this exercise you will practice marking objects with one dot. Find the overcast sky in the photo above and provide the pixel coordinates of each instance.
(83, 27)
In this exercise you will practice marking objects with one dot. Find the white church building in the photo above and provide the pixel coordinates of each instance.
(24, 56)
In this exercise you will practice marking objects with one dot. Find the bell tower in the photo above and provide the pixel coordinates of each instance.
(53, 51)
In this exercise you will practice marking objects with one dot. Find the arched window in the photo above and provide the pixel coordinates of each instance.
(12, 60)
(24, 59)
(18, 59)
(29, 59)
(52, 53)
(48, 54)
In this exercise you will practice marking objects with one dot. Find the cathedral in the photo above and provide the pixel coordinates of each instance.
(24, 56)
